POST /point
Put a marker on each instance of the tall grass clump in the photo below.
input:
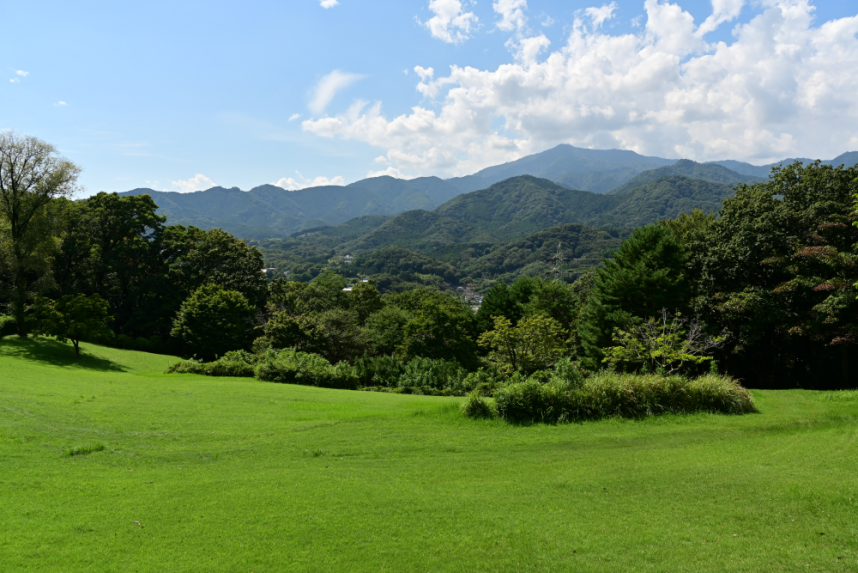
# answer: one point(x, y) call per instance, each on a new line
point(293, 367)
point(610, 394)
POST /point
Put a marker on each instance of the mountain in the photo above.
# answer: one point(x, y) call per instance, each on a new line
point(691, 169)
point(523, 205)
point(270, 211)
point(565, 163)
point(417, 230)
point(848, 159)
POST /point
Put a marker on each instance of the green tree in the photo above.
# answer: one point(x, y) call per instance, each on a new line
point(386, 329)
point(645, 276)
point(364, 299)
point(32, 175)
point(73, 317)
point(441, 327)
point(536, 343)
point(111, 247)
point(213, 321)
point(776, 270)
point(497, 302)
point(196, 258)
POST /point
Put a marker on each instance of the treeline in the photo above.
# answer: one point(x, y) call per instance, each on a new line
point(764, 291)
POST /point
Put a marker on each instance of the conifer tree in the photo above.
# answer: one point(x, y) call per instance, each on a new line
point(645, 276)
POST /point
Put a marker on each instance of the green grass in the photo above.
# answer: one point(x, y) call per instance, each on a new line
point(234, 474)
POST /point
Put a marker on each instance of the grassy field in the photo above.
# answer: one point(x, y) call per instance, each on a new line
point(187, 473)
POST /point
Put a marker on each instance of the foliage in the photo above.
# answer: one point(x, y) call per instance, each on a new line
point(484, 381)
point(73, 317)
point(645, 276)
point(535, 344)
point(609, 394)
point(442, 327)
point(383, 370)
point(386, 329)
point(233, 363)
point(776, 270)
point(425, 375)
point(32, 177)
point(363, 300)
point(295, 367)
point(8, 325)
point(213, 321)
point(497, 302)
point(477, 407)
point(663, 344)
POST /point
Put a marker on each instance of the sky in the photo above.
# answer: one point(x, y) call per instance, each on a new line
point(186, 95)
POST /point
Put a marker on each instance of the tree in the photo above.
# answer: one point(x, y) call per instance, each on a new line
point(111, 247)
point(73, 317)
point(536, 343)
point(213, 321)
point(386, 328)
point(441, 327)
point(776, 270)
point(645, 275)
point(32, 175)
point(497, 302)
point(663, 344)
point(364, 299)
point(196, 258)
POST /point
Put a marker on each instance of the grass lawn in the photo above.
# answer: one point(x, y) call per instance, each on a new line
point(233, 474)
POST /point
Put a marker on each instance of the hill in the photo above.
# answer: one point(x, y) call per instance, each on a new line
point(233, 474)
point(849, 159)
point(692, 170)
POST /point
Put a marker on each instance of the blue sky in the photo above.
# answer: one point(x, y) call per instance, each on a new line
point(184, 95)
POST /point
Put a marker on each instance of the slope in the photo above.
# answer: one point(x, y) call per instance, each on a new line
point(691, 169)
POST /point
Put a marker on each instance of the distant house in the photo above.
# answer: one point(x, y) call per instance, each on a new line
point(348, 259)
point(269, 271)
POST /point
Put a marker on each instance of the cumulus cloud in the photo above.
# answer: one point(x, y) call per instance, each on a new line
point(14, 80)
point(328, 3)
point(22, 73)
point(784, 86)
point(598, 16)
point(60, 103)
point(328, 87)
point(511, 13)
point(291, 184)
point(450, 23)
point(198, 182)
point(294, 116)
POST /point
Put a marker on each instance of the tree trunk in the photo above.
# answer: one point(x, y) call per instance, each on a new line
point(844, 364)
point(76, 348)
point(19, 293)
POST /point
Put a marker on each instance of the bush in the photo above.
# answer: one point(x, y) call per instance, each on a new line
point(294, 367)
point(378, 371)
point(483, 382)
point(431, 376)
point(478, 407)
point(234, 363)
point(8, 326)
point(625, 395)
point(213, 321)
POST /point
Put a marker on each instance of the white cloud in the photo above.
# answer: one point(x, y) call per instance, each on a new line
point(328, 87)
point(14, 80)
point(60, 103)
point(783, 87)
point(22, 73)
point(291, 184)
point(722, 11)
point(450, 23)
point(328, 3)
point(390, 171)
point(511, 13)
point(599, 15)
point(548, 22)
point(198, 182)
point(294, 116)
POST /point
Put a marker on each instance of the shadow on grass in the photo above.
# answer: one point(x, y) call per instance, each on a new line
point(55, 353)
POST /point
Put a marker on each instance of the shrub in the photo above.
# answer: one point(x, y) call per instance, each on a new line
point(483, 382)
point(478, 407)
point(435, 376)
point(8, 326)
point(626, 395)
point(234, 363)
point(567, 371)
point(213, 321)
point(294, 367)
point(378, 370)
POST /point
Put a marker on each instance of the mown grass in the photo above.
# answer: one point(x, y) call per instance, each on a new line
point(234, 474)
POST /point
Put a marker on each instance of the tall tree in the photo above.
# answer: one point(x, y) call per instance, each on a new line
point(32, 175)
point(644, 277)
